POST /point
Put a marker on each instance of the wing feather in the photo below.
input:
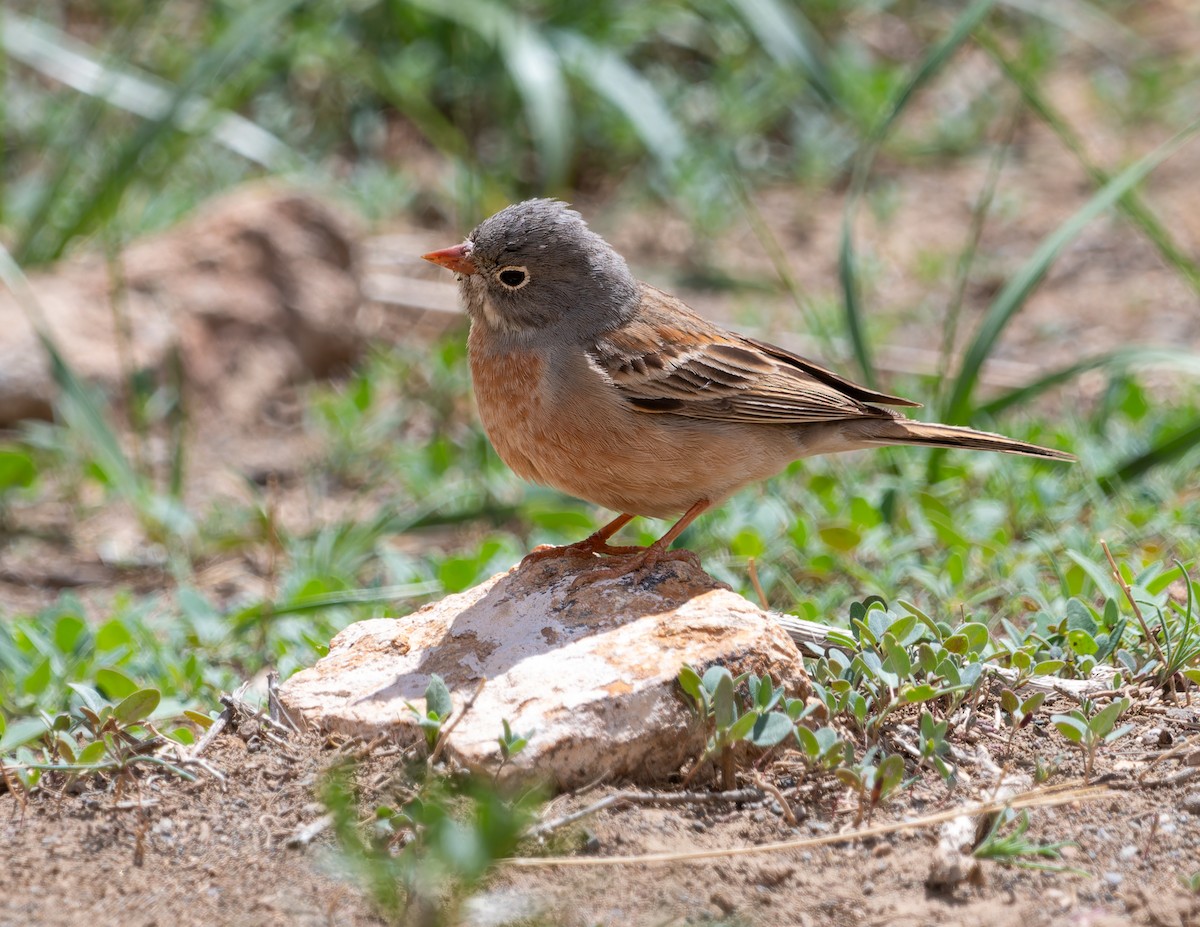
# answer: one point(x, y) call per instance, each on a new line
point(667, 359)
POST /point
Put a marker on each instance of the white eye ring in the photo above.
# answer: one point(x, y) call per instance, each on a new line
point(508, 269)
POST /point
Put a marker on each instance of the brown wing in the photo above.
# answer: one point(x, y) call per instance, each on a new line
point(668, 359)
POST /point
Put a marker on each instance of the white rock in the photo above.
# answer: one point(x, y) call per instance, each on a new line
point(589, 676)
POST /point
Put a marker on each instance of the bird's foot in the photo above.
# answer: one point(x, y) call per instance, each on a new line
point(589, 547)
point(639, 560)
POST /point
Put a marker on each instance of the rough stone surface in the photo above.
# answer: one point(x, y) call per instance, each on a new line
point(589, 675)
point(258, 290)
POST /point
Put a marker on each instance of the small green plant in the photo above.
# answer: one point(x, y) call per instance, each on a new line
point(510, 745)
point(417, 862)
point(822, 748)
point(1006, 842)
point(1089, 729)
point(872, 783)
point(759, 724)
point(933, 746)
point(101, 737)
point(438, 708)
point(1019, 713)
point(1191, 882)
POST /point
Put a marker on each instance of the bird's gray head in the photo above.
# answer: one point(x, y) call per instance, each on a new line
point(536, 265)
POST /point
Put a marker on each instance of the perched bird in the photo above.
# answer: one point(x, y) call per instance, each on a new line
point(613, 391)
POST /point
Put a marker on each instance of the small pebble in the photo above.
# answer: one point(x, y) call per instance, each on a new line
point(699, 826)
point(723, 901)
point(1128, 852)
point(759, 816)
point(776, 808)
point(868, 888)
point(881, 850)
point(1191, 803)
point(1113, 878)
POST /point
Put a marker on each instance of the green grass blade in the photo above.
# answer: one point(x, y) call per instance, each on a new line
point(60, 57)
point(536, 72)
point(310, 603)
point(848, 272)
point(1117, 360)
point(1130, 204)
point(1088, 23)
point(1165, 451)
point(611, 77)
point(242, 41)
point(533, 66)
point(77, 403)
point(1017, 291)
point(790, 40)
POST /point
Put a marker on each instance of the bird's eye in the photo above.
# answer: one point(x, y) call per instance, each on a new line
point(512, 277)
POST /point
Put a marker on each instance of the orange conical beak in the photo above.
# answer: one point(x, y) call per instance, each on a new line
point(457, 259)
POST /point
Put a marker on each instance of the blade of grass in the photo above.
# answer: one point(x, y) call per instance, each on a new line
point(1117, 360)
point(966, 259)
point(1021, 286)
point(848, 272)
point(54, 54)
point(790, 40)
point(534, 68)
point(78, 404)
point(611, 77)
point(301, 604)
point(1130, 204)
point(242, 41)
point(1167, 450)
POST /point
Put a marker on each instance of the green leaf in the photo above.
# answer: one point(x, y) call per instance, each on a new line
point(115, 684)
point(1079, 617)
point(1071, 728)
point(17, 470)
point(199, 717)
point(68, 630)
point(1082, 642)
point(138, 705)
point(1048, 667)
point(922, 693)
point(890, 773)
point(1033, 703)
point(1008, 701)
point(724, 710)
point(437, 698)
point(770, 729)
point(1103, 721)
point(840, 538)
point(113, 634)
point(897, 657)
point(39, 677)
point(92, 753)
point(808, 741)
point(20, 732)
point(743, 726)
point(689, 680)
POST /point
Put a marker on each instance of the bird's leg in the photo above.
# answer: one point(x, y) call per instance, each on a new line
point(646, 558)
point(593, 544)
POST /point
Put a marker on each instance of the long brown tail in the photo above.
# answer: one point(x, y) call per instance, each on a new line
point(906, 431)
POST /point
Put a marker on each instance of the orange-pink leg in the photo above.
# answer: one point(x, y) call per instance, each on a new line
point(593, 544)
point(645, 558)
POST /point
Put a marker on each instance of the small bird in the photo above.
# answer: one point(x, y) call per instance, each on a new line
point(610, 390)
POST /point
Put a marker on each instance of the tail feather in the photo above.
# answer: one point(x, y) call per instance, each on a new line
point(906, 431)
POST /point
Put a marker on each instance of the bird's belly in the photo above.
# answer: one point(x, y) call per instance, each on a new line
point(588, 443)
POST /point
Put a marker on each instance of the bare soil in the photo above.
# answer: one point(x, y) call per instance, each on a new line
point(164, 851)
